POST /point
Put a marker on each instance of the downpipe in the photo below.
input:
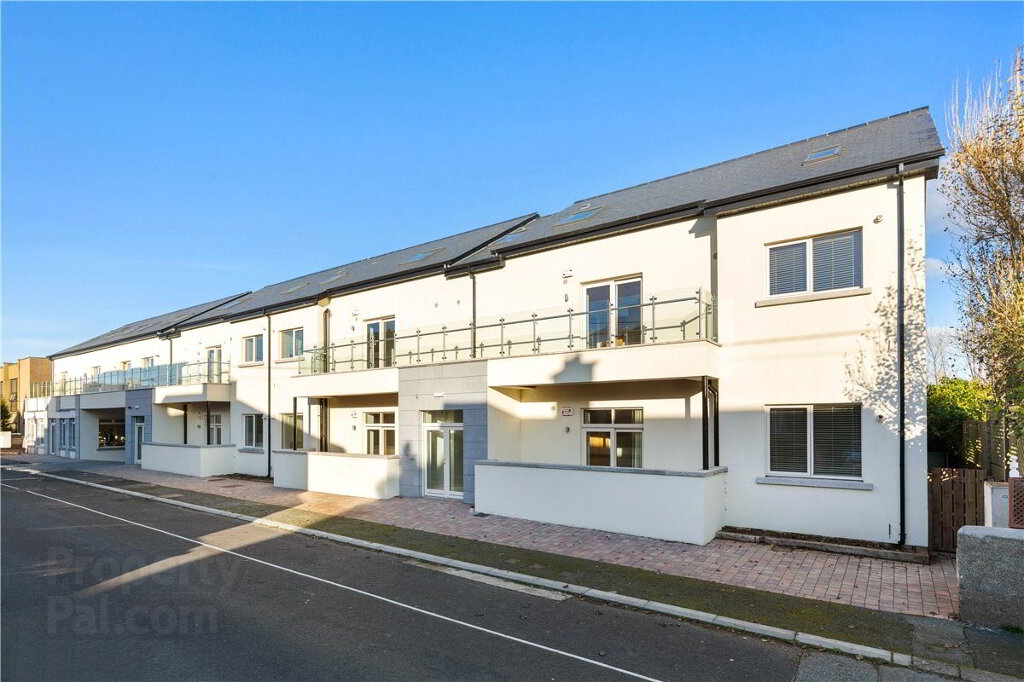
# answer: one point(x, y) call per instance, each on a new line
point(266, 425)
point(901, 352)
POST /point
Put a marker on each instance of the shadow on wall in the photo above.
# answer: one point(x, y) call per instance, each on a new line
point(873, 372)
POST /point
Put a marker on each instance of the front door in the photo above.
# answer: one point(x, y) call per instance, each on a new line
point(139, 425)
point(444, 460)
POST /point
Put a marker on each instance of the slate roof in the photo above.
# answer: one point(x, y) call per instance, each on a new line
point(906, 137)
point(886, 141)
point(433, 255)
point(145, 328)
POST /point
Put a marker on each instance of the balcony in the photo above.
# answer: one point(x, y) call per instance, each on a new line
point(668, 317)
point(176, 374)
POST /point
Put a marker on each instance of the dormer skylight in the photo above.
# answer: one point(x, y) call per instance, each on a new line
point(335, 277)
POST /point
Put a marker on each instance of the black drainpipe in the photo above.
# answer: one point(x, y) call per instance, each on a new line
point(266, 427)
point(900, 350)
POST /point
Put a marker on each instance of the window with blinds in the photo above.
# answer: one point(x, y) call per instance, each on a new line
point(837, 440)
point(787, 439)
point(787, 268)
point(818, 440)
point(837, 261)
point(834, 261)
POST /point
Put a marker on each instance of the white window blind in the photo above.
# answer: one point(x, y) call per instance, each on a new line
point(787, 268)
point(837, 261)
point(787, 437)
point(837, 440)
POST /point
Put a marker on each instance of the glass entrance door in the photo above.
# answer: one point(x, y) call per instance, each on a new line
point(444, 459)
point(213, 364)
point(139, 425)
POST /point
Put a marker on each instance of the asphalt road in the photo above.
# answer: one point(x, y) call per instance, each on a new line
point(89, 595)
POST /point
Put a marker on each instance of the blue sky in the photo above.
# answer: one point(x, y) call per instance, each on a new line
point(159, 155)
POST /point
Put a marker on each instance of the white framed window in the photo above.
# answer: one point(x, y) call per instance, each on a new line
point(613, 436)
point(815, 440)
point(614, 312)
point(291, 431)
point(147, 362)
point(253, 348)
point(95, 370)
point(215, 429)
point(825, 263)
point(253, 430)
point(380, 433)
point(71, 434)
point(126, 364)
point(291, 343)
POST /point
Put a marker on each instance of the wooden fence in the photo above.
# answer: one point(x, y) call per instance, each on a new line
point(955, 499)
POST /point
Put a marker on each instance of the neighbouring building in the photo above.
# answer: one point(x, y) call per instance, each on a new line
point(17, 378)
point(717, 348)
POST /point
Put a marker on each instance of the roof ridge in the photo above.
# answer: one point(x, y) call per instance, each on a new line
point(388, 253)
point(752, 154)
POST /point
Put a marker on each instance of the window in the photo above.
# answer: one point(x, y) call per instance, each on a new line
point(96, 370)
point(291, 343)
point(614, 314)
point(253, 430)
point(578, 216)
point(822, 154)
point(291, 431)
point(147, 362)
point(215, 430)
point(254, 348)
point(14, 390)
point(834, 262)
point(71, 434)
point(815, 440)
point(111, 433)
point(126, 364)
point(380, 433)
point(613, 437)
point(380, 343)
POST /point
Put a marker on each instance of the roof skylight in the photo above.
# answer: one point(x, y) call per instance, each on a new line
point(335, 277)
point(421, 256)
point(822, 154)
point(295, 288)
point(578, 216)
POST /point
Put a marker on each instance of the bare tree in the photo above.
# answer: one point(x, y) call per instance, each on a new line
point(983, 182)
point(939, 360)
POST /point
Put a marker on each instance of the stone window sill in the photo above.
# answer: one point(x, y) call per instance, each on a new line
point(817, 296)
point(808, 482)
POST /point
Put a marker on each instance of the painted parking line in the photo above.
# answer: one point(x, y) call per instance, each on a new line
point(348, 588)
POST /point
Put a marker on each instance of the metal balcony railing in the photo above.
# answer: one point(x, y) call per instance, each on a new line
point(665, 318)
point(176, 374)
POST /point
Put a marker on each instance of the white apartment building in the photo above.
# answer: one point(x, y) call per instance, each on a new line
point(720, 348)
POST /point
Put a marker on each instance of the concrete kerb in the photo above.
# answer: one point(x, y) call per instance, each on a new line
point(758, 629)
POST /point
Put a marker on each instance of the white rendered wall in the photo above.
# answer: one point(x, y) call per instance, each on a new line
point(679, 508)
point(826, 351)
point(370, 476)
point(189, 460)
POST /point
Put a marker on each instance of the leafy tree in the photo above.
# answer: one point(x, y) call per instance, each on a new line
point(5, 415)
point(951, 402)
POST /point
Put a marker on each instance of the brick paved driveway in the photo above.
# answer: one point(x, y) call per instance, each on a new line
point(929, 590)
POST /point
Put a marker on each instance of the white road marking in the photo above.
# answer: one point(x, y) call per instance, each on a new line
point(491, 580)
point(23, 478)
point(355, 590)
